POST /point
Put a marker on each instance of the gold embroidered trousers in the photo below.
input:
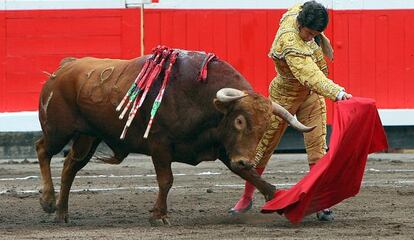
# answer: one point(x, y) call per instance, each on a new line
point(310, 109)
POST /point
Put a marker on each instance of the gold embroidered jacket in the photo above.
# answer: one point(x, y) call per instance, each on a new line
point(297, 60)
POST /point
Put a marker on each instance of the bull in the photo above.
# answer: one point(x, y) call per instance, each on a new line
point(221, 118)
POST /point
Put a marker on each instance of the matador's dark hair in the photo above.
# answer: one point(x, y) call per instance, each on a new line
point(313, 16)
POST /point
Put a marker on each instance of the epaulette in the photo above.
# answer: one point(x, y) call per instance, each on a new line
point(290, 41)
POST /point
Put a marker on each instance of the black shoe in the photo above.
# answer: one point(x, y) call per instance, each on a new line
point(325, 215)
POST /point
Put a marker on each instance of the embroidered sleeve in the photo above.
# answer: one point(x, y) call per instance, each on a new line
point(307, 72)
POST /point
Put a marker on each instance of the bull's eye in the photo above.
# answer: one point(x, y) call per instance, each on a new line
point(240, 122)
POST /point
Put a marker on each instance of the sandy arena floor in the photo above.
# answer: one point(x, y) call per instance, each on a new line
point(112, 202)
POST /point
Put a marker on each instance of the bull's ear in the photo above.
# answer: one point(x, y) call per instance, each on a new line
point(220, 106)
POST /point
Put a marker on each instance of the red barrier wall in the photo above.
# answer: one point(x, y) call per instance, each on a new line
point(374, 54)
point(35, 41)
point(2, 60)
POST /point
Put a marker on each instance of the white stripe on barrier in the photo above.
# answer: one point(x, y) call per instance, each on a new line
point(19, 122)
point(229, 4)
point(280, 4)
point(29, 122)
point(201, 4)
point(62, 4)
point(397, 117)
point(372, 4)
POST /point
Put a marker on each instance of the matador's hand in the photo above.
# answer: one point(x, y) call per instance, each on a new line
point(343, 96)
point(346, 96)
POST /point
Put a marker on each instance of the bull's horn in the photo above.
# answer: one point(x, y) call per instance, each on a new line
point(284, 114)
point(229, 94)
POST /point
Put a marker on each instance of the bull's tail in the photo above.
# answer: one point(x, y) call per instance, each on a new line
point(108, 159)
point(62, 63)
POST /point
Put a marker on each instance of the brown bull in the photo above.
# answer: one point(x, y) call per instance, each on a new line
point(196, 122)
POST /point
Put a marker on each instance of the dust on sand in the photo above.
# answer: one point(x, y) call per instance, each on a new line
point(112, 202)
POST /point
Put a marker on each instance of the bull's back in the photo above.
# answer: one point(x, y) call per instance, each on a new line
point(85, 91)
point(99, 81)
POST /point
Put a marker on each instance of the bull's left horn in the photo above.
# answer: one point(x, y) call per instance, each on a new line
point(284, 114)
point(229, 94)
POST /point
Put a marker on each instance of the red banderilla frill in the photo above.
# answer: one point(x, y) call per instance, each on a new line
point(158, 100)
point(150, 74)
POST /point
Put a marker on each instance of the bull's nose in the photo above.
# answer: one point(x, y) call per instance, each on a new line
point(242, 164)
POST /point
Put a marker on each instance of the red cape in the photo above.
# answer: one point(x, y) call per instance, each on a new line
point(357, 131)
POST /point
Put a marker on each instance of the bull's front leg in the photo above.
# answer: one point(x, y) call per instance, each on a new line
point(250, 175)
point(165, 180)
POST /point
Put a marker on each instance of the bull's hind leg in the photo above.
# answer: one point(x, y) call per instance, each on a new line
point(81, 152)
point(47, 200)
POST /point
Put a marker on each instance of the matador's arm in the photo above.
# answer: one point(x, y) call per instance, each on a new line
point(308, 73)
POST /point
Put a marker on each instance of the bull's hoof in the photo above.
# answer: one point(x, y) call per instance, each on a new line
point(62, 218)
point(325, 215)
point(156, 222)
point(48, 206)
point(272, 193)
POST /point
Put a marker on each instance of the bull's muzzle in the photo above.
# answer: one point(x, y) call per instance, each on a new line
point(242, 164)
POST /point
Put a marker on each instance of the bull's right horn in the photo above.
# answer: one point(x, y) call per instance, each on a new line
point(229, 94)
point(284, 114)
